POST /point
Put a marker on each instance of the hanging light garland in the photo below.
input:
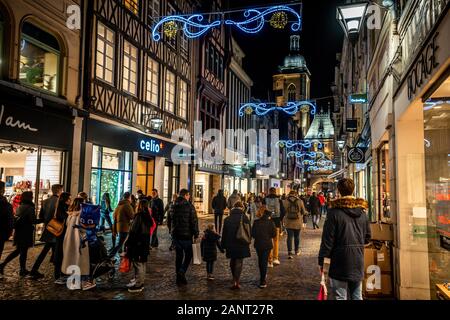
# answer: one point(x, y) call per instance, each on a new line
point(306, 144)
point(196, 25)
point(279, 20)
point(263, 108)
point(170, 29)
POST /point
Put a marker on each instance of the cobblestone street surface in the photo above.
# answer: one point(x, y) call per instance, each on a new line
point(296, 279)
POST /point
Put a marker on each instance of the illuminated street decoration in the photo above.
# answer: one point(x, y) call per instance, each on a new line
point(263, 108)
point(319, 163)
point(299, 154)
point(196, 25)
point(306, 144)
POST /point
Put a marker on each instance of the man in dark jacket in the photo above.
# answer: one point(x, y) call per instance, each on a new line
point(6, 218)
point(219, 204)
point(314, 204)
point(183, 224)
point(345, 233)
point(158, 214)
point(46, 214)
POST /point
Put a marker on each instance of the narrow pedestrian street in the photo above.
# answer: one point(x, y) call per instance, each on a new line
point(296, 279)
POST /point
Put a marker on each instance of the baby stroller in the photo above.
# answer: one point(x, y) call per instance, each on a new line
point(100, 263)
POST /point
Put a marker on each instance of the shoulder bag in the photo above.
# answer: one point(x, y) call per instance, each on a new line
point(243, 232)
point(55, 226)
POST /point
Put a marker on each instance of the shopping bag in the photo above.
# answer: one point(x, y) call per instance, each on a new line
point(125, 265)
point(323, 293)
point(197, 253)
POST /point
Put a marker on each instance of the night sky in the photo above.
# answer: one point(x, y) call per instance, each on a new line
point(320, 39)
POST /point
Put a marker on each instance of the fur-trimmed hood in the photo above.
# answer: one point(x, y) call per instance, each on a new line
point(350, 205)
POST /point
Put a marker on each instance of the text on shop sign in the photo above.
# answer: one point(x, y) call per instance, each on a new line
point(151, 146)
point(10, 122)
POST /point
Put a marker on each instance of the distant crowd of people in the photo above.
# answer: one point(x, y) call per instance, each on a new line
point(261, 219)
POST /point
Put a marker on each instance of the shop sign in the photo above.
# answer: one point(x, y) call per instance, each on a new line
point(356, 155)
point(358, 98)
point(151, 145)
point(422, 68)
point(351, 125)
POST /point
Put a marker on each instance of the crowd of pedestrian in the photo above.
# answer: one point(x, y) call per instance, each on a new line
point(134, 223)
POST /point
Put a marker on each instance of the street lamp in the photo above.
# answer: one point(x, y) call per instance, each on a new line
point(155, 122)
point(341, 144)
point(350, 17)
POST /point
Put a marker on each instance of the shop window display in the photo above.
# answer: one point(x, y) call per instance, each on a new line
point(39, 58)
point(111, 172)
point(437, 172)
point(384, 208)
point(145, 175)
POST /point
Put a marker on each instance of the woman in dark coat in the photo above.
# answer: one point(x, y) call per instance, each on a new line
point(235, 250)
point(210, 243)
point(24, 222)
point(263, 231)
point(61, 215)
point(138, 245)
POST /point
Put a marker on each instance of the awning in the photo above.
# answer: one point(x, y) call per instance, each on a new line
point(336, 174)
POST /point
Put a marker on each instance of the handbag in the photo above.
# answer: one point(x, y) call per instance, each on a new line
point(125, 265)
point(243, 233)
point(54, 226)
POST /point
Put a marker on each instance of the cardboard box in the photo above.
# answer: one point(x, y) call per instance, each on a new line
point(384, 290)
point(383, 258)
point(382, 231)
point(369, 257)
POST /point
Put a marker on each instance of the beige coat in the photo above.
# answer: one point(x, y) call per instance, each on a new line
point(123, 215)
point(73, 254)
point(295, 224)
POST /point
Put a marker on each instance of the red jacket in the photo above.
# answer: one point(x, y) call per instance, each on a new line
point(322, 200)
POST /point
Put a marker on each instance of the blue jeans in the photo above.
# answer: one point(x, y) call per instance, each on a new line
point(340, 289)
point(293, 234)
point(315, 220)
point(209, 267)
point(183, 249)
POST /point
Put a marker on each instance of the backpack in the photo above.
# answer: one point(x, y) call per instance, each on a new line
point(293, 210)
point(273, 205)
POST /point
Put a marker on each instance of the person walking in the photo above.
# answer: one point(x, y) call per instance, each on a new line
point(236, 250)
point(106, 211)
point(61, 215)
point(219, 204)
point(6, 219)
point(305, 205)
point(233, 199)
point(24, 222)
point(123, 215)
point(75, 253)
point(293, 220)
point(274, 206)
point(47, 212)
point(137, 246)
point(314, 204)
point(210, 243)
point(167, 211)
point(157, 206)
point(183, 224)
point(263, 231)
point(323, 203)
point(345, 233)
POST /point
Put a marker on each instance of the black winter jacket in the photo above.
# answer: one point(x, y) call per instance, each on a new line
point(25, 220)
point(345, 233)
point(6, 219)
point(314, 205)
point(138, 241)
point(46, 214)
point(219, 204)
point(263, 231)
point(235, 249)
point(183, 222)
point(158, 210)
point(210, 243)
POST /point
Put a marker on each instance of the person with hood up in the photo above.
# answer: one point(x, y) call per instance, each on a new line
point(263, 231)
point(123, 215)
point(210, 243)
point(345, 233)
point(219, 204)
point(293, 220)
point(233, 199)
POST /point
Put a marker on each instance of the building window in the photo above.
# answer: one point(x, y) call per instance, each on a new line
point(105, 54)
point(170, 12)
point(2, 26)
point(152, 81)
point(291, 92)
point(183, 103)
point(132, 5)
point(154, 7)
point(130, 59)
point(170, 92)
point(39, 58)
point(184, 45)
point(145, 174)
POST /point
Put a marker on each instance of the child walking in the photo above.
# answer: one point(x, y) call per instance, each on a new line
point(210, 243)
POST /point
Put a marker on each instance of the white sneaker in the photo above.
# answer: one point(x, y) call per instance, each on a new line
point(299, 252)
point(132, 283)
point(270, 265)
point(88, 285)
point(60, 281)
point(276, 262)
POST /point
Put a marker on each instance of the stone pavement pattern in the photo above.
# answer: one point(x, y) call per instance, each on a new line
point(296, 279)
